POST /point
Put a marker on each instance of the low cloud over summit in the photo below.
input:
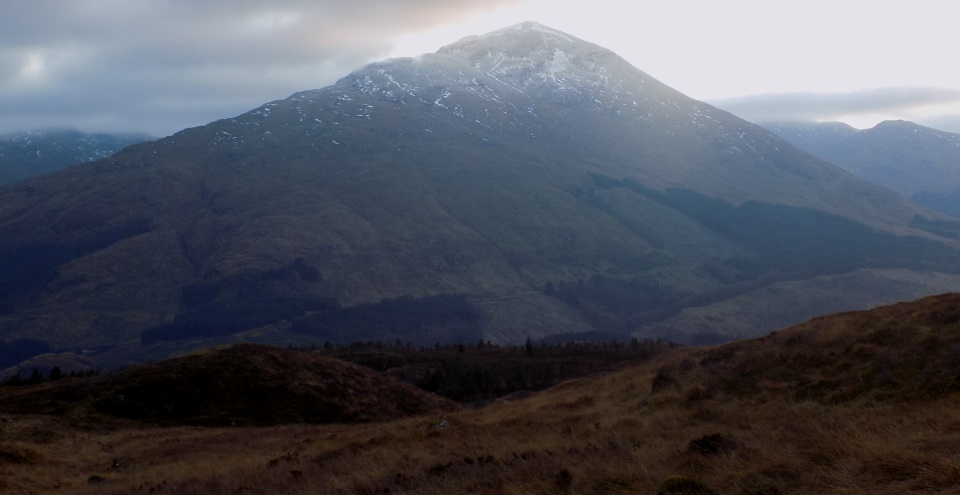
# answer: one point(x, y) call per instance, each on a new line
point(160, 66)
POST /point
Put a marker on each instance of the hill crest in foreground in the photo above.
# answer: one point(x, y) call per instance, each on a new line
point(854, 403)
point(244, 384)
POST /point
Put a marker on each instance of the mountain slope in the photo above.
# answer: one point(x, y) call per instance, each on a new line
point(31, 153)
point(916, 161)
point(520, 183)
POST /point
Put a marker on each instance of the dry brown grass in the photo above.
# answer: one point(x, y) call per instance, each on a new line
point(606, 435)
point(602, 435)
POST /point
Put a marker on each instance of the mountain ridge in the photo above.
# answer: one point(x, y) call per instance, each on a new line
point(35, 152)
point(918, 162)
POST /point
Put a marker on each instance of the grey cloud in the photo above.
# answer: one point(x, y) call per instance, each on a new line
point(140, 64)
point(830, 106)
point(11, 64)
point(945, 122)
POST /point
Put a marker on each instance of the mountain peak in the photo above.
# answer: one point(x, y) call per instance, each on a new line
point(902, 127)
point(529, 43)
point(531, 57)
point(895, 123)
point(512, 35)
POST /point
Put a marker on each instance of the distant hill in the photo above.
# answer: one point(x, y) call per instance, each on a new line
point(522, 183)
point(30, 153)
point(920, 163)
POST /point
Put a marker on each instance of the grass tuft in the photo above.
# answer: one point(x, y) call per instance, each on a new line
point(678, 485)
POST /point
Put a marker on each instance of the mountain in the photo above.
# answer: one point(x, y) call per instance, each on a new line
point(916, 161)
point(856, 403)
point(31, 153)
point(522, 183)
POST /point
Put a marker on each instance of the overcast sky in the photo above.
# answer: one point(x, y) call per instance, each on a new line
point(159, 66)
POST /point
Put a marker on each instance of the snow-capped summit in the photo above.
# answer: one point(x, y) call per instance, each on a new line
point(518, 68)
point(531, 56)
point(517, 30)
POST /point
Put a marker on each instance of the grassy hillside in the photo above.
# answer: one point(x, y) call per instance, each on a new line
point(855, 403)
